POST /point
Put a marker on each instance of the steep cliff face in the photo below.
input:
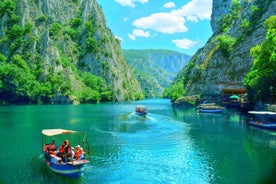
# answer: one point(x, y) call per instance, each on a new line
point(65, 38)
point(223, 62)
point(155, 69)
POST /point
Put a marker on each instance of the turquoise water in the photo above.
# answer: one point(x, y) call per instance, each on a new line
point(169, 146)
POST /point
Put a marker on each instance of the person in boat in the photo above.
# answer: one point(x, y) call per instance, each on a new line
point(49, 148)
point(61, 151)
point(52, 145)
point(79, 153)
point(51, 153)
point(54, 158)
point(66, 143)
point(62, 147)
point(69, 154)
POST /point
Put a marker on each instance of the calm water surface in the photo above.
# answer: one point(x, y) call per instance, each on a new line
point(169, 146)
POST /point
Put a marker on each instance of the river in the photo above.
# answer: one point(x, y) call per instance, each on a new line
point(171, 145)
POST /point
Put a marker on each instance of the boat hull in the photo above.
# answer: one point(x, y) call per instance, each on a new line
point(66, 169)
point(210, 110)
point(268, 126)
point(141, 113)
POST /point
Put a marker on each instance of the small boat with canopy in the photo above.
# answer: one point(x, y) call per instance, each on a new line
point(263, 119)
point(69, 157)
point(141, 110)
point(208, 107)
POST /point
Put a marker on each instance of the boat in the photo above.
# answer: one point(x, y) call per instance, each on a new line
point(209, 108)
point(263, 119)
point(58, 163)
point(141, 110)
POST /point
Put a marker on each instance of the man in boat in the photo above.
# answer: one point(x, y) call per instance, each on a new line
point(62, 147)
point(69, 154)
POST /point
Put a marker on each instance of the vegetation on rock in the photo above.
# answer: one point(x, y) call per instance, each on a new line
point(262, 77)
point(61, 53)
point(225, 60)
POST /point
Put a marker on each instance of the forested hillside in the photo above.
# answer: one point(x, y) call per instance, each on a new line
point(61, 52)
point(155, 69)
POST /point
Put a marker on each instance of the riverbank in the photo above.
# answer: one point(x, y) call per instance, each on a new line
point(194, 100)
point(265, 107)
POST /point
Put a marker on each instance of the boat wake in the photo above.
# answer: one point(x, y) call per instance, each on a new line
point(134, 116)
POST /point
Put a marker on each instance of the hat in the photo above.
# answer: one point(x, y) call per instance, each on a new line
point(66, 142)
point(78, 146)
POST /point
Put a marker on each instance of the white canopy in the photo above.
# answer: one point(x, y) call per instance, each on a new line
point(262, 112)
point(52, 132)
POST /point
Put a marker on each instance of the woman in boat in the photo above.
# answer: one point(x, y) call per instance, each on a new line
point(79, 153)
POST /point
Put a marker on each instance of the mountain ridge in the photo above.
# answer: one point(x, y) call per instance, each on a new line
point(155, 69)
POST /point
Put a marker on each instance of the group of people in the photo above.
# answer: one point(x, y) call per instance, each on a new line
point(63, 153)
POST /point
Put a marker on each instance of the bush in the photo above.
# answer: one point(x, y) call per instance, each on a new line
point(7, 6)
point(54, 29)
point(226, 44)
point(15, 31)
point(91, 45)
point(75, 23)
point(175, 91)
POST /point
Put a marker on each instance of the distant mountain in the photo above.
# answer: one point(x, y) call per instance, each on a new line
point(155, 69)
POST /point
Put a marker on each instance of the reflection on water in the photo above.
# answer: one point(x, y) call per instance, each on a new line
point(170, 145)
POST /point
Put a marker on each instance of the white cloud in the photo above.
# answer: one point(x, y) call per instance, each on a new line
point(138, 33)
point(196, 9)
point(174, 21)
point(132, 36)
point(184, 43)
point(169, 5)
point(130, 2)
point(162, 22)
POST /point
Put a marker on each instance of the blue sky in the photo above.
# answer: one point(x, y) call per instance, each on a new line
point(180, 25)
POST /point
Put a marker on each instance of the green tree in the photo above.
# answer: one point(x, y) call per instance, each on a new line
point(175, 91)
point(226, 44)
point(54, 29)
point(262, 77)
point(7, 6)
point(98, 90)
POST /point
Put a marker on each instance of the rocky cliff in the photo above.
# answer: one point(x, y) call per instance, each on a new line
point(64, 39)
point(223, 62)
